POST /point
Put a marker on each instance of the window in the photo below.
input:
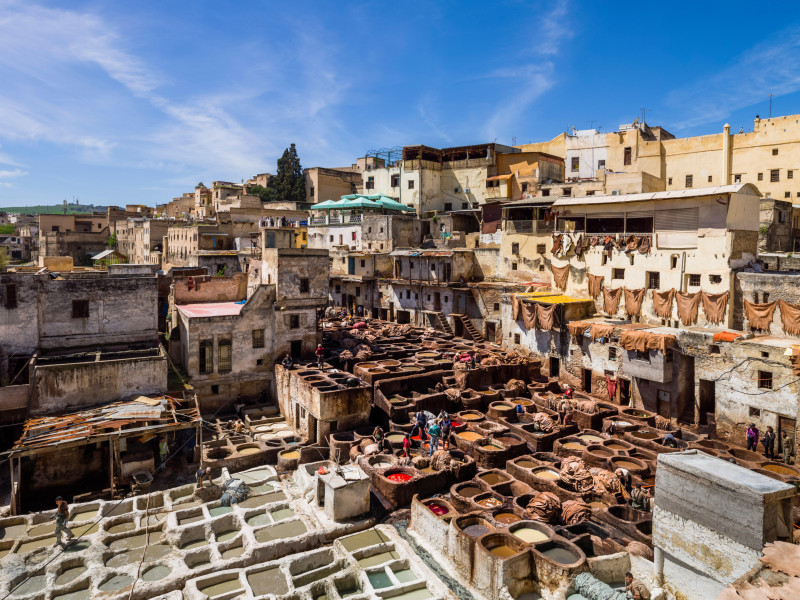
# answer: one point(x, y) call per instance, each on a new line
point(363, 263)
point(694, 279)
point(408, 294)
point(541, 248)
point(673, 261)
point(411, 184)
point(370, 183)
point(215, 389)
point(714, 349)
point(627, 157)
point(206, 356)
point(764, 380)
point(496, 306)
point(653, 280)
point(764, 354)
point(576, 163)
point(789, 174)
point(689, 181)
point(80, 309)
point(516, 338)
point(358, 291)
point(566, 192)
point(258, 338)
point(338, 289)
point(774, 152)
point(601, 164)
point(787, 195)
point(294, 321)
point(775, 175)
point(782, 214)
point(760, 177)
point(612, 353)
point(754, 412)
point(304, 286)
point(737, 179)
point(448, 206)
point(710, 179)
point(515, 248)
point(446, 299)
point(715, 278)
point(10, 296)
point(617, 273)
point(464, 206)
point(525, 187)
point(513, 266)
point(331, 241)
point(224, 356)
point(669, 181)
point(541, 268)
point(259, 362)
point(644, 356)
point(395, 181)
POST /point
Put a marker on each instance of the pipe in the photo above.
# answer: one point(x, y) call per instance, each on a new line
point(658, 566)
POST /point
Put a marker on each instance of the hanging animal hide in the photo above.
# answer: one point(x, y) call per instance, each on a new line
point(688, 305)
point(759, 315)
point(662, 303)
point(560, 275)
point(714, 306)
point(595, 285)
point(633, 301)
point(611, 300)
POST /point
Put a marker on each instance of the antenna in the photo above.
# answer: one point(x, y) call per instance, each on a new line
point(770, 106)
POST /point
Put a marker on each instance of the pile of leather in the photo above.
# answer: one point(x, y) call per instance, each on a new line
point(544, 422)
point(575, 475)
point(517, 386)
point(544, 506)
point(575, 511)
point(605, 482)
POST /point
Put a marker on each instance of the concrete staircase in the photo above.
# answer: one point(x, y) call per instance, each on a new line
point(442, 322)
point(471, 330)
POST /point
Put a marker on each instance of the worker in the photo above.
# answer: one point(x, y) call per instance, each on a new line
point(238, 426)
point(203, 473)
point(769, 443)
point(320, 352)
point(287, 362)
point(640, 498)
point(163, 451)
point(407, 445)
point(420, 425)
point(670, 441)
point(380, 439)
point(624, 477)
point(61, 517)
point(787, 446)
point(447, 425)
point(568, 392)
point(435, 431)
point(635, 588)
point(752, 437)
point(472, 361)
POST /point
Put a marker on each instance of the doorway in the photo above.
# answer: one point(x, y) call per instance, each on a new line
point(790, 427)
point(624, 391)
point(312, 428)
point(403, 317)
point(587, 380)
point(296, 348)
point(707, 406)
point(437, 301)
point(491, 332)
point(555, 366)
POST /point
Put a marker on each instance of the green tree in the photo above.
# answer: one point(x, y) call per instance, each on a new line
point(8, 228)
point(267, 194)
point(288, 183)
point(112, 241)
point(4, 259)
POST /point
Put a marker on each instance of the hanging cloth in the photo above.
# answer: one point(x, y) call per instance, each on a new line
point(560, 275)
point(547, 316)
point(611, 300)
point(595, 285)
point(688, 305)
point(662, 303)
point(714, 306)
point(594, 240)
point(633, 302)
point(529, 315)
point(790, 317)
point(611, 387)
point(556, 244)
point(759, 315)
point(515, 303)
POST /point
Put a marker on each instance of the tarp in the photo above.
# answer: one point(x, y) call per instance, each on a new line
point(633, 301)
point(688, 305)
point(662, 303)
point(714, 306)
point(759, 315)
point(645, 340)
point(560, 275)
point(595, 285)
point(492, 215)
point(726, 336)
point(611, 300)
point(790, 317)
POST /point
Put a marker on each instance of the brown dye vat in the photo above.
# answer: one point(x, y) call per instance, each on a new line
point(627, 464)
point(471, 416)
point(545, 473)
point(469, 491)
point(600, 451)
point(745, 455)
point(644, 435)
point(470, 436)
point(508, 440)
point(493, 478)
point(491, 447)
point(526, 464)
point(503, 545)
point(503, 551)
point(506, 518)
point(490, 502)
point(781, 470)
point(573, 446)
point(521, 401)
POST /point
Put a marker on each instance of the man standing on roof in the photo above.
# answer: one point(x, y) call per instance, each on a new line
point(61, 517)
point(320, 352)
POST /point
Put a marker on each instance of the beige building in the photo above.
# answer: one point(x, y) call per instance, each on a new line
point(78, 236)
point(331, 184)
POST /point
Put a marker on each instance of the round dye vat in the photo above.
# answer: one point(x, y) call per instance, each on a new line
point(592, 439)
point(156, 573)
point(455, 423)
point(780, 470)
point(248, 451)
point(490, 502)
point(471, 416)
point(291, 455)
point(437, 509)
point(470, 436)
point(399, 477)
point(395, 438)
point(493, 478)
point(116, 583)
point(503, 551)
point(521, 402)
point(560, 555)
point(618, 447)
point(626, 464)
point(603, 453)
point(506, 518)
point(475, 530)
point(530, 535)
point(573, 446)
point(546, 474)
point(381, 464)
point(469, 491)
point(491, 447)
point(527, 464)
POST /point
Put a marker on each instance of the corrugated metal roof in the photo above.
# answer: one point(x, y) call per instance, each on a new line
point(422, 253)
point(499, 177)
point(738, 188)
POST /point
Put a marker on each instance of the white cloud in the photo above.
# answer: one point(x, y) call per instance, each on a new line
point(15, 173)
point(771, 67)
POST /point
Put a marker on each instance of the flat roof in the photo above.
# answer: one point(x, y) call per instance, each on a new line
point(211, 309)
point(737, 188)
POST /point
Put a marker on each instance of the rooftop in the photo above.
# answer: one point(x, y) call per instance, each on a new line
point(211, 309)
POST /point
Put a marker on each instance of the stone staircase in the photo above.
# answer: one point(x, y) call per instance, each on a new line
point(438, 317)
point(471, 330)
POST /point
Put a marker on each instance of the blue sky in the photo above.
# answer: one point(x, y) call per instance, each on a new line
point(136, 102)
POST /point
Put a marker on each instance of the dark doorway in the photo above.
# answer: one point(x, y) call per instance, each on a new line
point(790, 427)
point(587, 380)
point(403, 317)
point(376, 313)
point(624, 391)
point(437, 301)
point(458, 328)
point(296, 348)
point(312, 428)
point(491, 332)
point(708, 402)
point(555, 366)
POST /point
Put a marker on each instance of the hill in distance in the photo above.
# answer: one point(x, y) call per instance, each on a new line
point(54, 209)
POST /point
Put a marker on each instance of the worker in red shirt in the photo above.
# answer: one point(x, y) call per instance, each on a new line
point(320, 356)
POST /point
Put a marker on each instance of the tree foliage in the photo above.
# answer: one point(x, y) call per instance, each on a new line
point(4, 258)
point(288, 183)
point(112, 240)
point(8, 228)
point(267, 194)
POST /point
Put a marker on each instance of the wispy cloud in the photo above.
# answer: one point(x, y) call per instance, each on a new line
point(6, 174)
point(771, 67)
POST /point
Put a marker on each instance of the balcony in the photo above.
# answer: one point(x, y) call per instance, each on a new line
point(329, 220)
point(527, 227)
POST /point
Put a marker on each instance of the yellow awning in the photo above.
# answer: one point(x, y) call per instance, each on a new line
point(497, 177)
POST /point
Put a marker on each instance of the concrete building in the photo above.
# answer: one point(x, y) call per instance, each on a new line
point(331, 184)
point(77, 236)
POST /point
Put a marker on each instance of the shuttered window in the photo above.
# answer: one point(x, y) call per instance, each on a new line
point(677, 228)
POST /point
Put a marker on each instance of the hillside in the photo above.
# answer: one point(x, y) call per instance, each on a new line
point(43, 209)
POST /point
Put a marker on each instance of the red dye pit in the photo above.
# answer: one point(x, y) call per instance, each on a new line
point(437, 509)
point(399, 477)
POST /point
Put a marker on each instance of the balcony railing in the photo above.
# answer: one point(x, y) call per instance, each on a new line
point(528, 227)
point(326, 220)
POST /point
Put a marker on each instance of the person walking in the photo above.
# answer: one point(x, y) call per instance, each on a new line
point(447, 425)
point(407, 445)
point(420, 425)
point(752, 437)
point(320, 352)
point(768, 441)
point(163, 451)
point(787, 447)
point(435, 431)
point(62, 517)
